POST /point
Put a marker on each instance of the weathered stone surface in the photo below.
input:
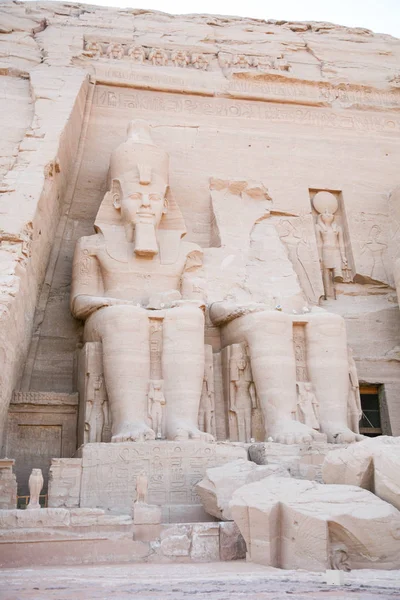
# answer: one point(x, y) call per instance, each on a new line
point(219, 483)
point(303, 461)
point(373, 464)
point(205, 542)
point(231, 543)
point(65, 482)
point(263, 252)
point(146, 514)
point(175, 545)
point(295, 524)
point(45, 517)
point(8, 485)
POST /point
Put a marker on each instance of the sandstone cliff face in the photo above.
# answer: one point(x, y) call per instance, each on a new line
point(299, 106)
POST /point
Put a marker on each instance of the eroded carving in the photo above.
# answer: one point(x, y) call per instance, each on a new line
point(115, 51)
point(297, 248)
point(137, 54)
point(93, 49)
point(354, 399)
point(158, 57)
point(207, 401)
point(200, 61)
point(376, 249)
point(180, 58)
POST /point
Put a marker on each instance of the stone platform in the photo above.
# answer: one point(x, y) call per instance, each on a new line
point(106, 475)
point(58, 536)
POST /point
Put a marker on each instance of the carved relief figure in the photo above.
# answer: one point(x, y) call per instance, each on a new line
point(354, 399)
point(157, 407)
point(158, 57)
point(93, 49)
point(96, 411)
point(35, 487)
point(115, 51)
point(292, 239)
point(137, 54)
point(307, 405)
point(138, 253)
point(207, 401)
point(180, 58)
point(142, 484)
point(200, 61)
point(242, 393)
point(330, 241)
point(376, 249)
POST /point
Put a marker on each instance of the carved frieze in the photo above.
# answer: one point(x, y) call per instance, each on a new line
point(158, 57)
point(227, 60)
point(182, 57)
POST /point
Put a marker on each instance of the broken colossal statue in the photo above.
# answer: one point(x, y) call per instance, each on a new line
point(140, 289)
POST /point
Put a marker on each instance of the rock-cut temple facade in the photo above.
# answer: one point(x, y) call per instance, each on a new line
point(199, 254)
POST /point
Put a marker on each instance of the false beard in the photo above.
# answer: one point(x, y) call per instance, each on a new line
point(145, 239)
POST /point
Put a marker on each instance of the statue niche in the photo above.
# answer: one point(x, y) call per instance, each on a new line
point(331, 246)
point(134, 269)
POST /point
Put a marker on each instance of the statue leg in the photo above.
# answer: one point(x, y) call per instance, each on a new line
point(269, 336)
point(329, 284)
point(124, 333)
point(329, 373)
point(183, 371)
point(241, 424)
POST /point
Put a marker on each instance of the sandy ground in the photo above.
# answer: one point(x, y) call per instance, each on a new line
point(215, 581)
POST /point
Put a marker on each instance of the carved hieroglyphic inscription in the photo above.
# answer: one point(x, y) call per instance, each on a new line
point(173, 469)
point(299, 343)
point(142, 100)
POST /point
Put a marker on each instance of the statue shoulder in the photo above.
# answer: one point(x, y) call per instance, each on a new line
point(89, 244)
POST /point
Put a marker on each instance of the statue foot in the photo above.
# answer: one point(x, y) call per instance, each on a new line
point(133, 432)
point(338, 434)
point(293, 432)
point(185, 433)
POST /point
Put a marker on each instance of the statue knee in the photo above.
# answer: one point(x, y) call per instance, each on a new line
point(121, 319)
point(187, 317)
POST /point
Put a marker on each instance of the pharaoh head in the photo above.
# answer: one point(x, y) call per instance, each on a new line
point(138, 199)
point(139, 182)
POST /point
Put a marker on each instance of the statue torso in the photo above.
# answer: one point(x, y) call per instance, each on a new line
point(134, 278)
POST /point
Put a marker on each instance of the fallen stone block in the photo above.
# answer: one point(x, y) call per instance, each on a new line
point(296, 524)
point(373, 464)
point(217, 487)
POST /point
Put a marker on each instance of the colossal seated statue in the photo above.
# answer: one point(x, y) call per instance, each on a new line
point(140, 289)
point(134, 270)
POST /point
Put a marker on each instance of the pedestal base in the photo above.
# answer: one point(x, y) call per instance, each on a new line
point(173, 469)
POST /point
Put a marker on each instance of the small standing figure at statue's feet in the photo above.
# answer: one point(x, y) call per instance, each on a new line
point(142, 484)
point(35, 487)
point(156, 407)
